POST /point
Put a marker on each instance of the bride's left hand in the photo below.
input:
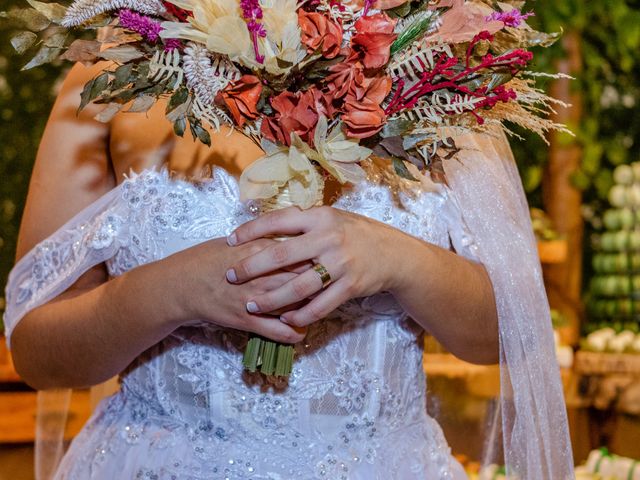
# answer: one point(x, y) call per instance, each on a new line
point(358, 253)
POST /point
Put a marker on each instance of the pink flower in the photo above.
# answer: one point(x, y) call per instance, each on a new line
point(511, 19)
point(148, 28)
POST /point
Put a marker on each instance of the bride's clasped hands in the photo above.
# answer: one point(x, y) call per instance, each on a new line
point(353, 256)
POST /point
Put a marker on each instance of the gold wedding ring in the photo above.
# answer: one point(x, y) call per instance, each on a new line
point(324, 274)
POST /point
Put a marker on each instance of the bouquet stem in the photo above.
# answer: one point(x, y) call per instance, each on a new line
point(273, 358)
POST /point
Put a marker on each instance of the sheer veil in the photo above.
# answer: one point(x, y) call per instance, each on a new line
point(486, 189)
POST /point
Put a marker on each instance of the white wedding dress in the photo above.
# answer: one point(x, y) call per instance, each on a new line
point(355, 405)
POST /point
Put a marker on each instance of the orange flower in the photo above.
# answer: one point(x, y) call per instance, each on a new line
point(343, 75)
point(375, 88)
point(241, 98)
point(318, 31)
point(363, 119)
point(295, 112)
point(374, 38)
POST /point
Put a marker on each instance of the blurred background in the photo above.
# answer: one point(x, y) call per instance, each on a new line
point(585, 195)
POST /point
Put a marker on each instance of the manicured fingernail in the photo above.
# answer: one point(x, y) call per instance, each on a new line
point(231, 275)
point(252, 307)
point(232, 239)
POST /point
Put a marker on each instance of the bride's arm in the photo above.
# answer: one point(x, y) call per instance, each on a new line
point(450, 296)
point(97, 327)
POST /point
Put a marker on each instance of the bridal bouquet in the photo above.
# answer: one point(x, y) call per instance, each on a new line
point(326, 87)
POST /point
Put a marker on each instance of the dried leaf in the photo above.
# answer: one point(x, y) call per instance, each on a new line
point(400, 11)
point(402, 170)
point(123, 96)
point(84, 51)
point(99, 85)
point(142, 103)
point(56, 38)
point(23, 41)
point(108, 113)
point(178, 112)
point(85, 95)
point(119, 36)
point(283, 63)
point(179, 126)
point(178, 98)
point(121, 54)
point(48, 52)
point(393, 145)
point(395, 148)
point(498, 79)
point(200, 133)
point(29, 18)
point(53, 11)
point(436, 168)
point(92, 89)
point(396, 126)
point(122, 76)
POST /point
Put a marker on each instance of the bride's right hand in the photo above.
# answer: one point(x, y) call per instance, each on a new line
point(204, 293)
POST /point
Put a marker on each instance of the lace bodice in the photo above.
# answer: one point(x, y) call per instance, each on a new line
point(354, 406)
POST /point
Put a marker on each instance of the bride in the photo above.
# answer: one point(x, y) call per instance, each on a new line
point(132, 262)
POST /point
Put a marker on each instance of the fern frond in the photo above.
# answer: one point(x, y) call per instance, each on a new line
point(411, 64)
point(82, 11)
point(343, 12)
point(164, 65)
point(252, 130)
point(210, 113)
point(207, 75)
point(440, 105)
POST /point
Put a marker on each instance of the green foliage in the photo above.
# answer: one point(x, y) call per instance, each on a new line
point(25, 100)
point(609, 132)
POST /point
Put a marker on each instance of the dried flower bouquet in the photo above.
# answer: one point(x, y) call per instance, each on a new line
point(323, 86)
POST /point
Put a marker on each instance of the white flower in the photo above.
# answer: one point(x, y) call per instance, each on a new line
point(218, 24)
point(277, 17)
point(336, 153)
point(280, 19)
point(281, 167)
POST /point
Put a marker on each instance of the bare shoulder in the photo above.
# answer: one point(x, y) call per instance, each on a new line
point(72, 167)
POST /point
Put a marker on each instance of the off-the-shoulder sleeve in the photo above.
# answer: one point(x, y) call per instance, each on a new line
point(88, 239)
point(490, 223)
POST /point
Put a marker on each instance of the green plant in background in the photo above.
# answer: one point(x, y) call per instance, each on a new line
point(25, 100)
point(610, 129)
point(609, 132)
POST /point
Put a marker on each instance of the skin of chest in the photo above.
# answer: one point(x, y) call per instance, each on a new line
point(140, 141)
